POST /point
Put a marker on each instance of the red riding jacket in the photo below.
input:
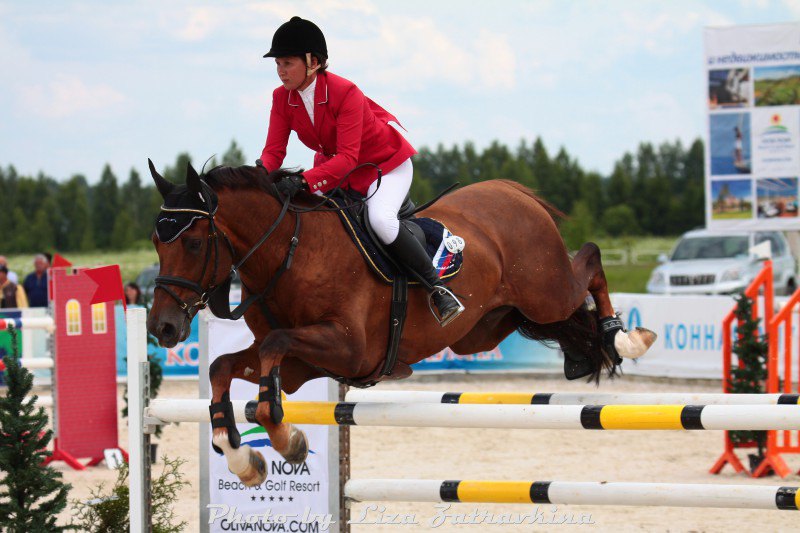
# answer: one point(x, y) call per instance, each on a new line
point(349, 129)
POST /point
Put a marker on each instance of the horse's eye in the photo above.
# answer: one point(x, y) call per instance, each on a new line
point(193, 245)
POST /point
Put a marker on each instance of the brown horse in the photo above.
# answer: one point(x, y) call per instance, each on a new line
point(333, 314)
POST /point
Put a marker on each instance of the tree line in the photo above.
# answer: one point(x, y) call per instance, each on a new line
point(653, 191)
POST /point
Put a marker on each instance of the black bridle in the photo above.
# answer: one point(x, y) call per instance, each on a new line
point(163, 282)
point(205, 293)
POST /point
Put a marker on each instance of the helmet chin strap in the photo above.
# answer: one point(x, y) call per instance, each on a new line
point(309, 69)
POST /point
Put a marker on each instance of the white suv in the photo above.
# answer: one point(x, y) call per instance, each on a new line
point(715, 262)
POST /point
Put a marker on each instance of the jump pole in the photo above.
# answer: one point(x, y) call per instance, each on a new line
point(32, 363)
point(574, 493)
point(620, 417)
point(139, 441)
point(43, 322)
point(568, 398)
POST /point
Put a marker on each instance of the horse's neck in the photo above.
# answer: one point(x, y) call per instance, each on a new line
point(245, 216)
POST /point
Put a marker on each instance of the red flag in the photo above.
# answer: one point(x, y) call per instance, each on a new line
point(60, 261)
point(109, 284)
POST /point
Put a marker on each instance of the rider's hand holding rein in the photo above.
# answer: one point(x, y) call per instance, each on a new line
point(291, 185)
point(345, 129)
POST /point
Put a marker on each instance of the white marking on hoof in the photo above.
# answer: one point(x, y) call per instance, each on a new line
point(635, 343)
point(238, 458)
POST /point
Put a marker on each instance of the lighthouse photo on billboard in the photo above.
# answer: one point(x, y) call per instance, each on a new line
point(730, 143)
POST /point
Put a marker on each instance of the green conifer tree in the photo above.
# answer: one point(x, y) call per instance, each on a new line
point(31, 495)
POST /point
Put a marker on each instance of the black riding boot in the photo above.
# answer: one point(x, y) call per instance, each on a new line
point(407, 250)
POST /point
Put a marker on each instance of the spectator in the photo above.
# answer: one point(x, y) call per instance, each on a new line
point(35, 283)
point(12, 276)
point(133, 294)
point(11, 294)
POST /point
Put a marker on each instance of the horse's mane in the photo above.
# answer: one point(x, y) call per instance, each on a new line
point(246, 178)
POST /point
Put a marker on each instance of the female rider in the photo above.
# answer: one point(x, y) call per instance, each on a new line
point(345, 128)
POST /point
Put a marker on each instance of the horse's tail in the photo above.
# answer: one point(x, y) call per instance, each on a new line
point(579, 335)
point(554, 212)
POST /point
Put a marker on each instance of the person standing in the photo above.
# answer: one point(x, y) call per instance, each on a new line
point(133, 294)
point(11, 294)
point(11, 274)
point(35, 283)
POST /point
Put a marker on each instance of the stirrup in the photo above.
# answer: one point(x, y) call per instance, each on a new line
point(443, 321)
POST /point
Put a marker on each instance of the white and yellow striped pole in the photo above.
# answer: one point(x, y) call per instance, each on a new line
point(575, 493)
point(568, 398)
point(629, 417)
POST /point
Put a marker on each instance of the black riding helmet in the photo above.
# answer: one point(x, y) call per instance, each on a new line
point(297, 38)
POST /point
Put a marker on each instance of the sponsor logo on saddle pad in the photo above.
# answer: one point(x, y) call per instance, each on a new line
point(454, 244)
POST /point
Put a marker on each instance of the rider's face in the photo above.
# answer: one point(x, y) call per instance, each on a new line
point(291, 71)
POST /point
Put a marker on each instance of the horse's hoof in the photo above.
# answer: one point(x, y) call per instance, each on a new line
point(255, 473)
point(635, 343)
point(297, 450)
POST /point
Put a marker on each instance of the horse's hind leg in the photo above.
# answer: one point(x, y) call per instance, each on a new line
point(587, 266)
point(243, 461)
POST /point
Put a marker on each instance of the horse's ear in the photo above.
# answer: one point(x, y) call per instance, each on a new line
point(163, 186)
point(192, 179)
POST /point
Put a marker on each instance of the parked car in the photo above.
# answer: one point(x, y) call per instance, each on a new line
point(716, 262)
point(146, 280)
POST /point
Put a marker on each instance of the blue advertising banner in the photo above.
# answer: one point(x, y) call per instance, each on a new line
point(514, 353)
point(182, 360)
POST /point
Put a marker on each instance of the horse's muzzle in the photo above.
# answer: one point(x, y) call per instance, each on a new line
point(167, 332)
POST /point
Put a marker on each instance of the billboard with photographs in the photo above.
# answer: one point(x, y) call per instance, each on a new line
point(752, 81)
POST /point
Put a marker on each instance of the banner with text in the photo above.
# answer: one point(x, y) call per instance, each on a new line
point(752, 84)
point(294, 497)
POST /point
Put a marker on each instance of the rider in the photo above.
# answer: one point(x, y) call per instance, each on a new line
point(345, 128)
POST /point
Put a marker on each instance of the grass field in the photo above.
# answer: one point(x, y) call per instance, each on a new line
point(131, 262)
point(621, 278)
point(785, 91)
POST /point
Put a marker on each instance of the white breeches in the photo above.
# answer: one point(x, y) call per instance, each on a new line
point(384, 206)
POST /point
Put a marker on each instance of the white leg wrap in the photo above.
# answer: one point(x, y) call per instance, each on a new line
point(635, 343)
point(238, 458)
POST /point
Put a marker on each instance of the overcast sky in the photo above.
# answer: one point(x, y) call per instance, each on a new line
point(90, 82)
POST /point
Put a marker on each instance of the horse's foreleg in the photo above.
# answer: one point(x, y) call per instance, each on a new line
point(587, 266)
point(243, 461)
point(322, 345)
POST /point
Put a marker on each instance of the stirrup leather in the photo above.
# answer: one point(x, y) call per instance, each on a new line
point(446, 320)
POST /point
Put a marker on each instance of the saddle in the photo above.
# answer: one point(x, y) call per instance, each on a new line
point(434, 236)
point(442, 246)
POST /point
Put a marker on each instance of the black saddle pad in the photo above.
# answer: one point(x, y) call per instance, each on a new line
point(447, 263)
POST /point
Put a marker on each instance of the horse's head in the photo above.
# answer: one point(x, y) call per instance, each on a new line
point(193, 257)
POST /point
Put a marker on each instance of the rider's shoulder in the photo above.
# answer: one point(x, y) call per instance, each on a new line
point(339, 86)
